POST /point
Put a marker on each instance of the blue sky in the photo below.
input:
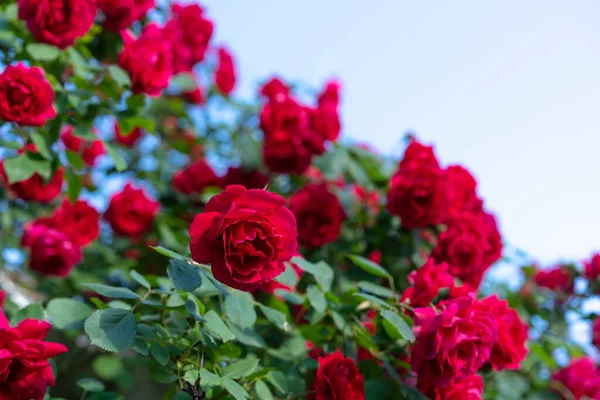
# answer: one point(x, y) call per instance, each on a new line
point(510, 89)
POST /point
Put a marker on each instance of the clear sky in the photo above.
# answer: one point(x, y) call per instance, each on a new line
point(510, 89)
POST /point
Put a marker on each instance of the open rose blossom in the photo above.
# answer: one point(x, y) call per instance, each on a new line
point(580, 379)
point(250, 179)
point(451, 344)
point(89, 150)
point(225, 73)
point(195, 178)
point(58, 22)
point(596, 332)
point(319, 214)
point(325, 118)
point(245, 235)
point(467, 388)
point(148, 60)
point(26, 96)
point(79, 221)
point(131, 212)
point(426, 283)
point(462, 190)
point(558, 278)
point(127, 139)
point(338, 377)
point(25, 372)
point(120, 14)
point(510, 349)
point(51, 251)
point(592, 268)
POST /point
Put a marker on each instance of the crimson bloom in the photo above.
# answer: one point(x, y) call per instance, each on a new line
point(79, 221)
point(558, 278)
point(250, 179)
point(89, 150)
point(426, 283)
point(580, 378)
point(467, 388)
point(131, 212)
point(127, 139)
point(225, 73)
point(338, 377)
point(120, 14)
point(195, 178)
point(592, 268)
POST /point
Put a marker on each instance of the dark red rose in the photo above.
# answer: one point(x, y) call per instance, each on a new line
point(337, 378)
point(596, 332)
point(319, 214)
point(467, 388)
point(131, 212)
point(189, 32)
point(245, 235)
point(148, 60)
point(286, 154)
point(463, 190)
point(313, 351)
point(2, 297)
point(79, 221)
point(331, 93)
point(195, 178)
point(274, 89)
point(25, 372)
point(120, 14)
point(51, 251)
point(253, 179)
point(556, 279)
point(419, 191)
point(510, 349)
point(325, 119)
point(129, 139)
point(426, 283)
point(452, 344)
point(580, 379)
point(225, 73)
point(592, 268)
point(493, 239)
point(375, 256)
point(89, 150)
point(58, 22)
point(26, 96)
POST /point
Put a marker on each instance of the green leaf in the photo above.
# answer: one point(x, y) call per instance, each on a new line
point(105, 396)
point(120, 164)
point(316, 298)
point(376, 301)
point(90, 385)
point(216, 326)
point(184, 82)
point(340, 323)
point(369, 266)
point(140, 346)
point(136, 276)
point(234, 389)
point(209, 379)
point(127, 125)
point(32, 311)
point(41, 145)
point(247, 336)
point(75, 159)
point(289, 277)
point(119, 75)
point(22, 167)
point(181, 395)
point(193, 308)
point(357, 172)
point(160, 353)
point(78, 61)
point(375, 289)
point(42, 52)
point(73, 185)
point(241, 369)
point(11, 12)
point(292, 297)
point(322, 272)
point(112, 291)
point(399, 324)
point(161, 374)
point(276, 317)
point(168, 253)
point(112, 329)
point(286, 383)
point(67, 314)
point(240, 310)
point(184, 275)
point(262, 391)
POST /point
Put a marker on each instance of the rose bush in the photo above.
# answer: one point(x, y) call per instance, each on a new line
point(185, 244)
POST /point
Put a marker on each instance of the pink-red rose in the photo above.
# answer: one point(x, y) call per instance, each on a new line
point(127, 139)
point(596, 332)
point(58, 22)
point(52, 252)
point(325, 118)
point(26, 96)
point(245, 235)
point(338, 378)
point(89, 150)
point(462, 190)
point(592, 268)
point(558, 278)
point(120, 14)
point(250, 179)
point(426, 283)
point(225, 73)
point(580, 379)
point(319, 214)
point(195, 178)
point(131, 212)
point(25, 372)
point(467, 388)
point(79, 221)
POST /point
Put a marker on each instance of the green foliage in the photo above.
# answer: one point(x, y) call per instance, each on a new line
point(111, 329)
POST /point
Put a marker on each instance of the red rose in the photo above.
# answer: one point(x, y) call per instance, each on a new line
point(286, 154)
point(148, 60)
point(452, 344)
point(2, 297)
point(510, 349)
point(467, 388)
point(225, 74)
point(319, 215)
point(592, 268)
point(558, 278)
point(190, 32)
point(368, 199)
point(89, 150)
point(79, 221)
point(463, 190)
point(338, 378)
point(325, 119)
point(419, 192)
point(595, 332)
point(331, 93)
point(196, 96)
point(375, 256)
point(275, 89)
point(245, 235)
point(131, 212)
point(25, 372)
point(26, 96)
point(253, 179)
point(493, 239)
point(313, 351)
point(129, 139)
point(195, 178)
point(580, 378)
point(58, 22)
point(120, 14)
point(426, 282)
point(51, 251)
